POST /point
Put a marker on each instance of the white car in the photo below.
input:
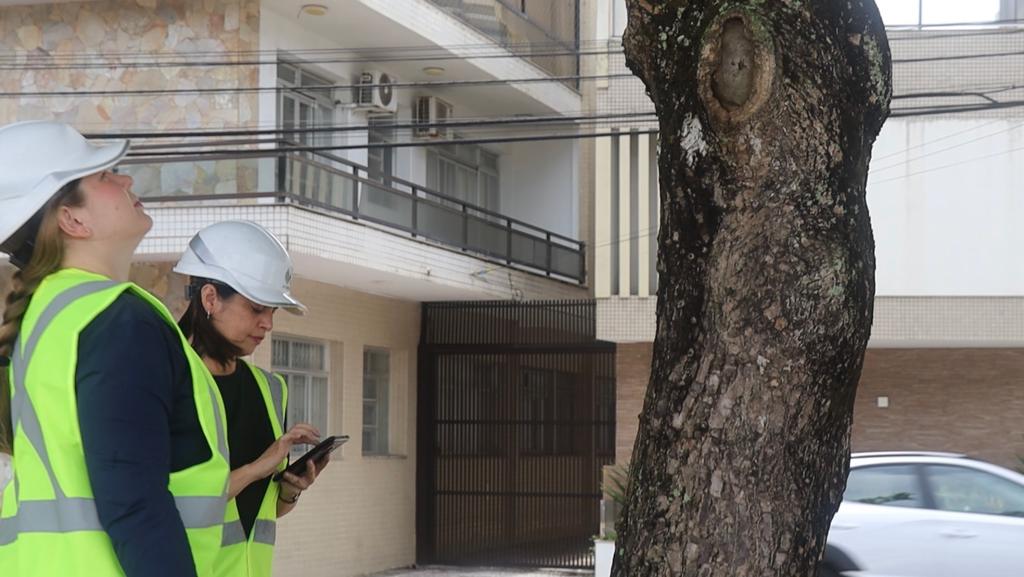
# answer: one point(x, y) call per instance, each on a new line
point(927, 515)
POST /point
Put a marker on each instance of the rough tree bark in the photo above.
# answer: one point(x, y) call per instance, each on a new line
point(768, 111)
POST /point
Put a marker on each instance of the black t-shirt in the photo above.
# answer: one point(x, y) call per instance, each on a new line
point(249, 434)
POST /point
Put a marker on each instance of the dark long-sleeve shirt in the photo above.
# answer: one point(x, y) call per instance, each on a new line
point(138, 422)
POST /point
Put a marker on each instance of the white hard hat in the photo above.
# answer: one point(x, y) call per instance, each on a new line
point(246, 257)
point(37, 158)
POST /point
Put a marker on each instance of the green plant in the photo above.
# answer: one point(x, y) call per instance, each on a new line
point(616, 490)
point(616, 483)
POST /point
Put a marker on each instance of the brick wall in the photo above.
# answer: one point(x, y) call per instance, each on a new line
point(632, 372)
point(962, 400)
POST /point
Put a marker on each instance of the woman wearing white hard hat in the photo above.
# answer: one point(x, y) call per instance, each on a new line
point(240, 274)
point(115, 425)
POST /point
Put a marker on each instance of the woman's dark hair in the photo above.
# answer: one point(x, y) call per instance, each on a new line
point(197, 326)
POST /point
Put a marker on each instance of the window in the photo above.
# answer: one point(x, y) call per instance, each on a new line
point(303, 364)
point(466, 172)
point(381, 159)
point(376, 386)
point(302, 105)
point(969, 491)
point(890, 485)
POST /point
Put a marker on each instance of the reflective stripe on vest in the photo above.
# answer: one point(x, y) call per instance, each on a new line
point(69, 514)
point(276, 394)
point(23, 413)
point(64, 514)
point(234, 533)
point(264, 531)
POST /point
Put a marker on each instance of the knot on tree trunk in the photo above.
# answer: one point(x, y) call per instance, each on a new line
point(737, 67)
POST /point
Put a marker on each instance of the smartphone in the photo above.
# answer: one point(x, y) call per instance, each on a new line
point(326, 447)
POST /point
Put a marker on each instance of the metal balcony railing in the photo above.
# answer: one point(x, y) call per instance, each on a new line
point(545, 32)
point(339, 186)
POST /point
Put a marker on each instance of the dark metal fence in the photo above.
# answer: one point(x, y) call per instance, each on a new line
point(516, 420)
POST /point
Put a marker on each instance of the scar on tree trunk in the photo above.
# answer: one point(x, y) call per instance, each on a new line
point(737, 69)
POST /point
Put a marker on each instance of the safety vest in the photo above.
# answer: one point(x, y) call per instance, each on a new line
point(253, 557)
point(49, 524)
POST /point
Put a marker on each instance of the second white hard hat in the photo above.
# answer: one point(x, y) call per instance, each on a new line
point(246, 257)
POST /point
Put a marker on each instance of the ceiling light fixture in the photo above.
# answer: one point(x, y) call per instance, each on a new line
point(433, 70)
point(313, 9)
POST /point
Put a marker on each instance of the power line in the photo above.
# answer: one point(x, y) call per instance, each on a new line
point(915, 35)
point(308, 88)
point(948, 148)
point(416, 52)
point(954, 108)
point(427, 143)
point(945, 166)
point(410, 48)
point(515, 48)
point(359, 60)
point(946, 137)
point(962, 93)
point(458, 123)
point(955, 57)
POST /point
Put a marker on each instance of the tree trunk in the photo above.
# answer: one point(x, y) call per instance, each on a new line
point(768, 110)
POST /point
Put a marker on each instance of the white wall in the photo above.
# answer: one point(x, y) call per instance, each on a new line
point(947, 207)
point(283, 34)
point(538, 184)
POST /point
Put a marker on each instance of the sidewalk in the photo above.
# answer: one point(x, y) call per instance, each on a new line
point(481, 572)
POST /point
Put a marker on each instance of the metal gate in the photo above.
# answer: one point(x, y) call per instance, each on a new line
point(516, 418)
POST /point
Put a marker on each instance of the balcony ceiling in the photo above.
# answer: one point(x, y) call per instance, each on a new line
point(357, 25)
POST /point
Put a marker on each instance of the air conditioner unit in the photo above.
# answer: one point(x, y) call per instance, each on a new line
point(430, 112)
point(375, 92)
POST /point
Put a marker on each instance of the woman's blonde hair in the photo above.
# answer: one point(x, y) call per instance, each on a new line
point(46, 259)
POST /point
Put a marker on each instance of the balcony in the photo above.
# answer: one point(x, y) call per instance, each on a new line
point(546, 32)
point(339, 187)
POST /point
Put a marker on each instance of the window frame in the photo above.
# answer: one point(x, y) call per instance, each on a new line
point(440, 156)
point(385, 414)
point(288, 372)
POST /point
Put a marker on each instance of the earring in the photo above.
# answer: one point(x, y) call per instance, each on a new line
point(209, 315)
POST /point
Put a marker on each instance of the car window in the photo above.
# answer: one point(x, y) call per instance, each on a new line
point(890, 485)
point(972, 491)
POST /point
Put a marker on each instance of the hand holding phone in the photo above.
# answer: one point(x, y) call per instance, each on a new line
point(326, 447)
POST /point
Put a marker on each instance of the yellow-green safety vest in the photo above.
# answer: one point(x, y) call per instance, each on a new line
point(49, 525)
point(253, 557)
